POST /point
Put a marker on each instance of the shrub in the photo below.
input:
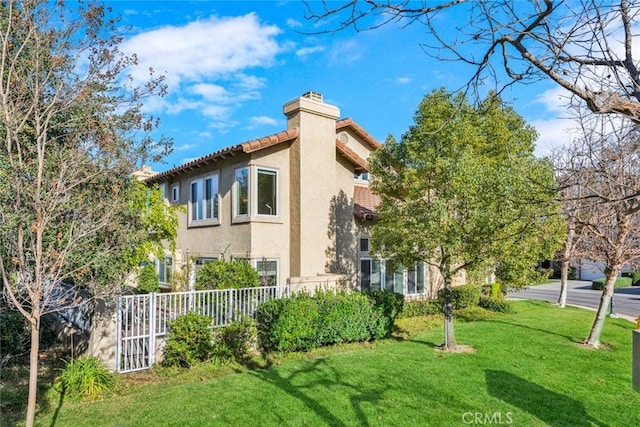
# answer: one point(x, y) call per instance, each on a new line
point(304, 322)
point(499, 305)
point(389, 306)
point(148, 279)
point(190, 340)
point(288, 324)
point(463, 296)
point(635, 277)
point(417, 308)
point(621, 282)
point(223, 274)
point(85, 377)
point(494, 290)
point(235, 341)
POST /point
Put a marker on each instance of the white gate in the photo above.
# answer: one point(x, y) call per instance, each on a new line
point(142, 319)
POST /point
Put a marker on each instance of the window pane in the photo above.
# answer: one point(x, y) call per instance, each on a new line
point(268, 272)
point(242, 191)
point(376, 275)
point(364, 245)
point(365, 274)
point(420, 277)
point(196, 201)
point(411, 282)
point(211, 197)
point(393, 280)
point(267, 187)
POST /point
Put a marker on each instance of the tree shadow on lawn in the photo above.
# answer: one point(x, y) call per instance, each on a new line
point(552, 408)
point(299, 384)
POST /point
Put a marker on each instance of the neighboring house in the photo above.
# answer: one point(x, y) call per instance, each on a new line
point(296, 204)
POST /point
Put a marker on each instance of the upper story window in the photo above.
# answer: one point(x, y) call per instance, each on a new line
point(361, 176)
point(163, 189)
point(267, 197)
point(175, 193)
point(204, 203)
point(241, 192)
point(364, 244)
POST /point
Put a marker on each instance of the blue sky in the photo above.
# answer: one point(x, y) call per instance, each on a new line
point(232, 65)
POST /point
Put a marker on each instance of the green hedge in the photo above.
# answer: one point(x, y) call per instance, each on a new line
point(417, 308)
point(494, 290)
point(621, 282)
point(635, 277)
point(303, 322)
point(499, 305)
point(463, 296)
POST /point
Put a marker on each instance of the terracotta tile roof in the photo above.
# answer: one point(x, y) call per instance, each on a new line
point(269, 141)
point(365, 203)
point(346, 152)
point(363, 134)
point(247, 147)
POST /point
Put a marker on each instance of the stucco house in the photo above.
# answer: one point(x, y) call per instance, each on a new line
point(296, 204)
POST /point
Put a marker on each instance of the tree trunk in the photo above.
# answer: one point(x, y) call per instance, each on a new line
point(564, 276)
point(611, 275)
point(449, 336)
point(33, 369)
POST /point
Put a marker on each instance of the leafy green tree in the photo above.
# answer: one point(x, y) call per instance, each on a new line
point(72, 133)
point(462, 190)
point(148, 279)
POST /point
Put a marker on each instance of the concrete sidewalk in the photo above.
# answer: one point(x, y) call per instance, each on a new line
point(626, 302)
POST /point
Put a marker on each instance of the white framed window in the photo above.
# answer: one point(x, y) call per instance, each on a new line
point(361, 176)
point(175, 193)
point(199, 263)
point(165, 267)
point(364, 244)
point(371, 274)
point(241, 192)
point(204, 201)
point(415, 279)
point(267, 191)
point(268, 271)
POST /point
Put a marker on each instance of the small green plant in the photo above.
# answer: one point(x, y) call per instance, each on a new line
point(422, 307)
point(190, 340)
point(85, 378)
point(14, 333)
point(148, 279)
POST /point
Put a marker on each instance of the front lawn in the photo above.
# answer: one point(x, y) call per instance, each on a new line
point(528, 369)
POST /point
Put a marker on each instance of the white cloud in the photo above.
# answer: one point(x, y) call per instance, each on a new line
point(184, 147)
point(555, 99)
point(261, 121)
point(348, 51)
point(293, 23)
point(402, 80)
point(305, 51)
point(554, 133)
point(206, 62)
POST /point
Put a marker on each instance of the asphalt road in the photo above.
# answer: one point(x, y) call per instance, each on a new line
point(626, 301)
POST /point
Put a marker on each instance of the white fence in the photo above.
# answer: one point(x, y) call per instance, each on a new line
point(142, 320)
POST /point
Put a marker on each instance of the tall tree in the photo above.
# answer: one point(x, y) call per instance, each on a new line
point(586, 47)
point(462, 190)
point(605, 167)
point(72, 133)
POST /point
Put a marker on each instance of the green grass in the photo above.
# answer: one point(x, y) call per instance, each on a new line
point(527, 368)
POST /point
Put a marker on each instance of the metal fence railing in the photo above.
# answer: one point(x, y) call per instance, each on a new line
point(143, 319)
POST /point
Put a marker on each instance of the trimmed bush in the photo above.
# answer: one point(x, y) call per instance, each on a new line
point(14, 333)
point(463, 296)
point(304, 322)
point(635, 277)
point(499, 305)
point(190, 340)
point(415, 308)
point(85, 378)
point(223, 274)
point(621, 282)
point(494, 290)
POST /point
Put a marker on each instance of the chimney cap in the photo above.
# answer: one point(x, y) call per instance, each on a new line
point(315, 96)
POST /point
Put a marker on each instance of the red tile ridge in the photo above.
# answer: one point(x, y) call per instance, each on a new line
point(351, 155)
point(270, 140)
point(358, 130)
